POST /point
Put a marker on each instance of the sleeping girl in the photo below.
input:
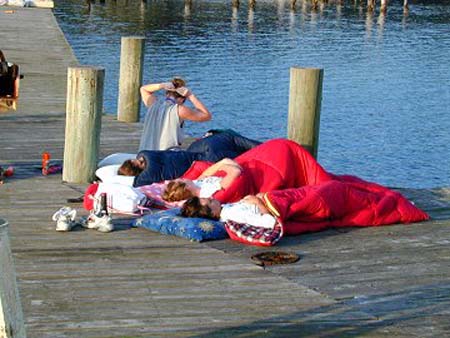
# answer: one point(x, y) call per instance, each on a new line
point(275, 164)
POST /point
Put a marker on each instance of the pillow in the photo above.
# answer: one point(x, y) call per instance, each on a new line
point(169, 222)
point(108, 174)
point(117, 158)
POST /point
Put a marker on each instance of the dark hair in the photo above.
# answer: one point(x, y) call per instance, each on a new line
point(193, 208)
point(128, 168)
point(176, 191)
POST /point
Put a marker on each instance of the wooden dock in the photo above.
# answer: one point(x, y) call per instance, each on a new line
point(373, 282)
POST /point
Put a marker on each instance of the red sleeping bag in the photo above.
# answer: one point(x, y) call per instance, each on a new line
point(305, 197)
point(340, 203)
point(273, 165)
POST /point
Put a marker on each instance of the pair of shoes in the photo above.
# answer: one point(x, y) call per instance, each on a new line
point(101, 223)
point(65, 219)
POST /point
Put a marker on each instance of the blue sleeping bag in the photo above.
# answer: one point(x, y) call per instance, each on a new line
point(169, 164)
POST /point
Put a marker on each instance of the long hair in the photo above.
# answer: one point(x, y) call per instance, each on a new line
point(193, 208)
point(176, 191)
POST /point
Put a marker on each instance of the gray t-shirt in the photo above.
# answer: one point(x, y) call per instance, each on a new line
point(162, 126)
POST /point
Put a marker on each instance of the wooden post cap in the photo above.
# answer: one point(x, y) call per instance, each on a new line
point(86, 67)
point(133, 37)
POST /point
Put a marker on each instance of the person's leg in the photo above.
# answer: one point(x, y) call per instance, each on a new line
point(221, 145)
point(243, 143)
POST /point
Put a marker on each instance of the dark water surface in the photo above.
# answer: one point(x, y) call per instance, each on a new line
point(386, 97)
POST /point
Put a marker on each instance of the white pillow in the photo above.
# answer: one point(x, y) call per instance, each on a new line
point(108, 174)
point(117, 158)
point(121, 198)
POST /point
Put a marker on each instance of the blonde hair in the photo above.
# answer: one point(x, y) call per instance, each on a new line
point(177, 191)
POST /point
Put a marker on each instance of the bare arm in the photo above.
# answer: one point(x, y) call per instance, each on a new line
point(232, 169)
point(252, 199)
point(147, 92)
point(199, 114)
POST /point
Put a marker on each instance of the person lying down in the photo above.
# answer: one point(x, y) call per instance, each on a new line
point(297, 191)
point(250, 210)
point(152, 166)
point(311, 208)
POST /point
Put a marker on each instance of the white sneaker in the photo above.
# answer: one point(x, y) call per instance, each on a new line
point(65, 218)
point(102, 224)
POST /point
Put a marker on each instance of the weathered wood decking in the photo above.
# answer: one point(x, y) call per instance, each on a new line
point(388, 281)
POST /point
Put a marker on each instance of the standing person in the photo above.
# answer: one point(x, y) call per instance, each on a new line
point(163, 123)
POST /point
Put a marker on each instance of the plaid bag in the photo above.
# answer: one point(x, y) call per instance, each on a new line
point(249, 234)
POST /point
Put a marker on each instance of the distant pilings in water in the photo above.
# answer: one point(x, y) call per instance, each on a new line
point(305, 99)
point(313, 5)
point(383, 7)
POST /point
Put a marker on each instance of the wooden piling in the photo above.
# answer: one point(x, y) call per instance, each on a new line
point(235, 3)
point(383, 6)
point(11, 315)
point(83, 123)
point(252, 4)
point(293, 4)
point(305, 96)
point(405, 6)
point(371, 5)
point(131, 66)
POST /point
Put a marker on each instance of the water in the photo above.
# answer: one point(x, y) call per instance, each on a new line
point(386, 85)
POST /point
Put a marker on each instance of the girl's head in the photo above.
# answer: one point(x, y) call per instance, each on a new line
point(201, 207)
point(177, 190)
